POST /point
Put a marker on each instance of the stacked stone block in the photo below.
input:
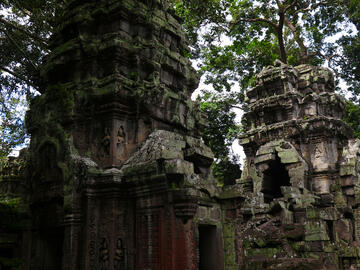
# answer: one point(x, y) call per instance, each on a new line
point(117, 165)
point(118, 176)
point(14, 221)
point(306, 216)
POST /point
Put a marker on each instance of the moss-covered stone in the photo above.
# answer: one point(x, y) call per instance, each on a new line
point(316, 231)
point(288, 157)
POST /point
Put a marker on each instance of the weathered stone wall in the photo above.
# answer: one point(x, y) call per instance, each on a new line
point(300, 177)
point(14, 221)
point(120, 176)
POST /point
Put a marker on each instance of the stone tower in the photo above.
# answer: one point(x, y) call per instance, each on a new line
point(117, 165)
point(301, 174)
point(118, 176)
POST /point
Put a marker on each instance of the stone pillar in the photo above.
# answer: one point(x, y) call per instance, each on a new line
point(72, 241)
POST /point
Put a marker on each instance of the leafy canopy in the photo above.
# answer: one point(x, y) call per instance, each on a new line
point(233, 40)
point(220, 134)
point(25, 29)
point(238, 38)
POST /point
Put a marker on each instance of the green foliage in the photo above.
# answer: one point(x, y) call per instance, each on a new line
point(12, 130)
point(352, 117)
point(10, 263)
point(349, 65)
point(250, 35)
point(221, 133)
point(242, 37)
point(12, 204)
point(25, 29)
point(353, 11)
point(227, 170)
point(349, 68)
point(198, 13)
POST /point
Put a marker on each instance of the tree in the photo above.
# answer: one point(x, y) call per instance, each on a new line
point(12, 131)
point(220, 134)
point(352, 117)
point(25, 30)
point(349, 63)
point(294, 31)
point(256, 33)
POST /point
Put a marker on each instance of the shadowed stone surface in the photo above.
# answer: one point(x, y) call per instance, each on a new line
point(117, 166)
point(118, 177)
point(14, 219)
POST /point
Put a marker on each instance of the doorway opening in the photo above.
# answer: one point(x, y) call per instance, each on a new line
point(208, 248)
point(275, 177)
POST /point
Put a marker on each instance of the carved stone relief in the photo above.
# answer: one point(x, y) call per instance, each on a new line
point(119, 256)
point(104, 255)
point(106, 141)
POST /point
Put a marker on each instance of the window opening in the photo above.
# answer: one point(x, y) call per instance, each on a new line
point(330, 229)
point(275, 177)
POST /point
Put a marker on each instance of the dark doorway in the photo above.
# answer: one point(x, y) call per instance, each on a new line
point(208, 248)
point(49, 249)
point(275, 176)
point(6, 252)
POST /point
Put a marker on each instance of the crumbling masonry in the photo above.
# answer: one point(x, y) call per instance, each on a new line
point(118, 177)
point(300, 179)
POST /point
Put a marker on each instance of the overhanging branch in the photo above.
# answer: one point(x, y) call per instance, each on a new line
point(22, 51)
point(19, 76)
point(298, 39)
point(272, 24)
point(34, 37)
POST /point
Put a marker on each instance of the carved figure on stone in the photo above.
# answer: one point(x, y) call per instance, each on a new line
point(81, 171)
point(119, 255)
point(106, 140)
point(104, 255)
point(317, 152)
point(121, 135)
point(120, 140)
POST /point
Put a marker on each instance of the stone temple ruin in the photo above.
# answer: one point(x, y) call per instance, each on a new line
point(118, 177)
point(300, 181)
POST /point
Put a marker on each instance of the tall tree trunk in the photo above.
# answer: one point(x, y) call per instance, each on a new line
point(281, 37)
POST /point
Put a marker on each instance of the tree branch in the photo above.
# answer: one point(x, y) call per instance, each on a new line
point(280, 36)
point(237, 107)
point(299, 41)
point(272, 24)
point(44, 41)
point(328, 58)
point(19, 77)
point(22, 51)
point(19, 6)
point(312, 7)
point(290, 6)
